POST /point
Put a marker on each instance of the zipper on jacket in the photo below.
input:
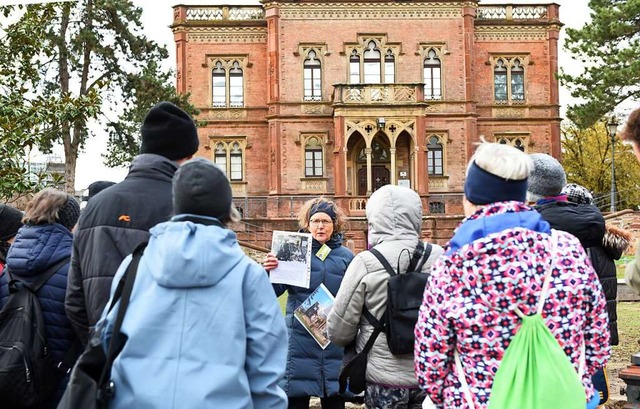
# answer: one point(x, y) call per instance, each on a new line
point(27, 371)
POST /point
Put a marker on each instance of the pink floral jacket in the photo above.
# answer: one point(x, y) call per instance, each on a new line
point(496, 261)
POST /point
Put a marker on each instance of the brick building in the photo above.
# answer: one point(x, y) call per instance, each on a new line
point(334, 97)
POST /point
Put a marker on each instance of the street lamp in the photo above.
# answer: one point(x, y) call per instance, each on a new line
point(612, 129)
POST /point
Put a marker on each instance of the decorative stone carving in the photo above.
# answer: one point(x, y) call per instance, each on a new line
point(314, 185)
point(238, 189)
point(509, 112)
point(510, 12)
point(213, 13)
point(226, 34)
point(370, 93)
point(312, 109)
point(434, 108)
point(225, 114)
point(438, 184)
point(370, 11)
point(359, 204)
point(510, 33)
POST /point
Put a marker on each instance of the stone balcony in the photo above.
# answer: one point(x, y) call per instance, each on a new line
point(383, 94)
point(525, 13)
point(221, 13)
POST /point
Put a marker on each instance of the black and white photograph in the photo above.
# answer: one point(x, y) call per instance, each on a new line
point(293, 251)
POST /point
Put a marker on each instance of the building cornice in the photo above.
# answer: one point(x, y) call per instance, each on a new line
point(511, 33)
point(218, 34)
point(368, 10)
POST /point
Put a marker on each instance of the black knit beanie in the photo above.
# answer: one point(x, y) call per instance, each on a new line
point(99, 186)
point(169, 131)
point(69, 213)
point(10, 222)
point(200, 188)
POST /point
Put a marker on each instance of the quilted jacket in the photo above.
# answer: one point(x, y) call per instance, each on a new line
point(495, 262)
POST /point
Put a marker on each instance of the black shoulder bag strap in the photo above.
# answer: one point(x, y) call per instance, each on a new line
point(384, 262)
point(425, 256)
point(43, 277)
point(122, 293)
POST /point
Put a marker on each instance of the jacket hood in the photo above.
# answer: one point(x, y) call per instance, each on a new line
point(184, 254)
point(152, 166)
point(496, 218)
point(583, 221)
point(394, 213)
point(38, 247)
point(616, 241)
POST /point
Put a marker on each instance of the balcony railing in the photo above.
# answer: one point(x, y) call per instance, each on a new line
point(378, 93)
point(512, 12)
point(221, 13)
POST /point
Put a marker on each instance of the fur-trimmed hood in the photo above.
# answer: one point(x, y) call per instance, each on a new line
point(616, 241)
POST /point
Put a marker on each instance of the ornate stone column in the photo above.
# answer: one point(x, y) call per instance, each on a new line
point(394, 171)
point(367, 151)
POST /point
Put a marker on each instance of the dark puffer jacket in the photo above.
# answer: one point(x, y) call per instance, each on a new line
point(35, 249)
point(114, 222)
point(312, 371)
point(603, 258)
point(587, 224)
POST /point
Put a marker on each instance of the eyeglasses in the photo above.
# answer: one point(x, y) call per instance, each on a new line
point(320, 222)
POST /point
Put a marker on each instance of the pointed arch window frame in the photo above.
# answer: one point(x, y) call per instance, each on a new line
point(519, 140)
point(509, 78)
point(436, 158)
point(314, 166)
point(359, 66)
point(229, 71)
point(430, 87)
point(312, 75)
point(230, 155)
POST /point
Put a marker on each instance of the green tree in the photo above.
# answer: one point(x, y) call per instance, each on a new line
point(586, 157)
point(84, 61)
point(609, 46)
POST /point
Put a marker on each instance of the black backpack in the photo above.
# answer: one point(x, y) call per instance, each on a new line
point(404, 297)
point(28, 374)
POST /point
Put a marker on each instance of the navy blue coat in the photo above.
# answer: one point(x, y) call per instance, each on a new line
point(35, 249)
point(312, 371)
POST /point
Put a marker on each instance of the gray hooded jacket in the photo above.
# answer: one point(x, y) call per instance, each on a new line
point(395, 220)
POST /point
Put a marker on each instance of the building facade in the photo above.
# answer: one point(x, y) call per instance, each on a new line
point(301, 98)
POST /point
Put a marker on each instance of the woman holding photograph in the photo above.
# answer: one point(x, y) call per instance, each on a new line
point(312, 371)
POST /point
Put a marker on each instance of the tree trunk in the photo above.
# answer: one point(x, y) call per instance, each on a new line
point(70, 159)
point(70, 153)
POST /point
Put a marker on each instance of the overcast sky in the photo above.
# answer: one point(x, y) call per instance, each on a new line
point(158, 15)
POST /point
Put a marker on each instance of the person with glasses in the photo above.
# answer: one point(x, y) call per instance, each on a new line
point(312, 371)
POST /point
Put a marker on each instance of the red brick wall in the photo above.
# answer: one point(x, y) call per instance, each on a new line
point(274, 160)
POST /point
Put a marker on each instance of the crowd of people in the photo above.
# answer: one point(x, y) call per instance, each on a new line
point(203, 325)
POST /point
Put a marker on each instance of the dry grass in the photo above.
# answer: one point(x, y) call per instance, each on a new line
point(629, 330)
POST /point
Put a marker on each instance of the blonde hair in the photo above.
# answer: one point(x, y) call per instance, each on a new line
point(339, 225)
point(44, 207)
point(502, 160)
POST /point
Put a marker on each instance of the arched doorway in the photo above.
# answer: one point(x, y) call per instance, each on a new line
point(380, 164)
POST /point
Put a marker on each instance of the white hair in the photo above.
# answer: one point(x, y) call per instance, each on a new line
point(502, 160)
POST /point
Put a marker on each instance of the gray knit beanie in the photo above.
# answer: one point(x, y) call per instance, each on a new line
point(547, 179)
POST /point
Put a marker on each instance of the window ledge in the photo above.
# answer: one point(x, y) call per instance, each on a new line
point(314, 178)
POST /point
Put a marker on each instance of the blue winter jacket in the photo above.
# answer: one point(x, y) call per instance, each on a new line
point(312, 371)
point(203, 325)
point(35, 249)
